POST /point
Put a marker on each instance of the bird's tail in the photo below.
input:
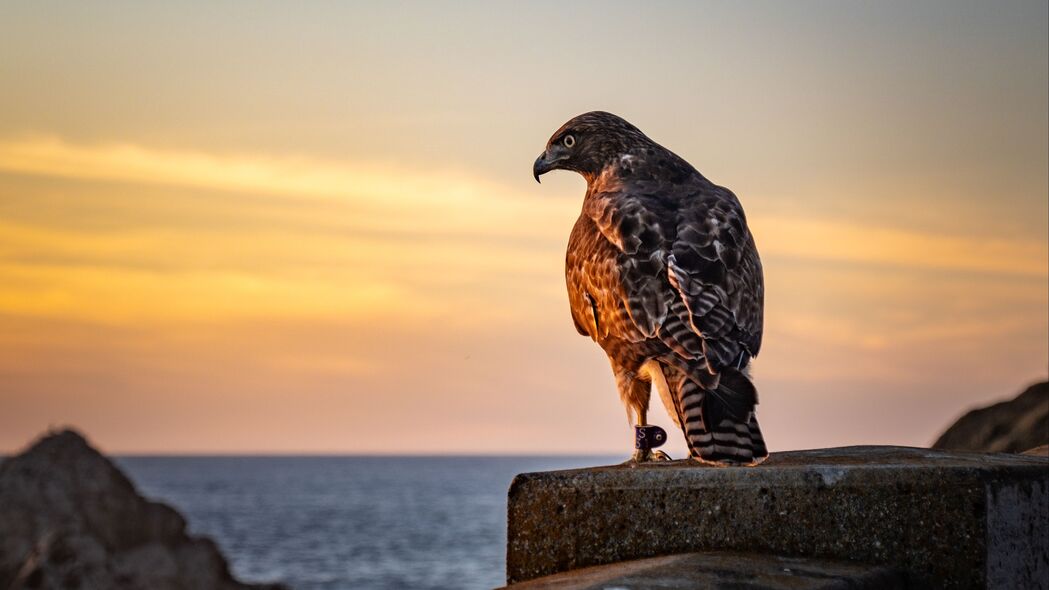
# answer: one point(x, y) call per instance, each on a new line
point(719, 423)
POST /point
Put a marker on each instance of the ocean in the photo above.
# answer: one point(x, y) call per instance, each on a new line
point(349, 522)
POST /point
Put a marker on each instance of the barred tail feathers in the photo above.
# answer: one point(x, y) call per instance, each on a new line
point(719, 424)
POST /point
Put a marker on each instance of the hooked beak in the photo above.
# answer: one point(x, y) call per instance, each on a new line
point(540, 167)
point(546, 162)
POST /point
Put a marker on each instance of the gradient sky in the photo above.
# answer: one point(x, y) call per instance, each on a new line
point(259, 227)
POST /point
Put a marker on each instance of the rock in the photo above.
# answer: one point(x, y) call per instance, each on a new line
point(723, 570)
point(1012, 426)
point(945, 519)
point(70, 519)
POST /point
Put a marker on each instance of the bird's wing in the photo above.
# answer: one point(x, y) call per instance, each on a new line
point(637, 232)
point(714, 266)
point(689, 270)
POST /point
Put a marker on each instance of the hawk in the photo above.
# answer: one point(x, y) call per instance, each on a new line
point(663, 274)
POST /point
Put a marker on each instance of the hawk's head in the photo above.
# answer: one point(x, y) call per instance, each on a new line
point(588, 143)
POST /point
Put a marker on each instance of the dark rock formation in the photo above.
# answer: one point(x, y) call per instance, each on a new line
point(1012, 426)
point(69, 519)
point(944, 519)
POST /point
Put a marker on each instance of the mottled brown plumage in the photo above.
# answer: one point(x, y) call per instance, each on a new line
point(662, 272)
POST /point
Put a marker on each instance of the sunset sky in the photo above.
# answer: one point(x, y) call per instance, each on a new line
point(312, 227)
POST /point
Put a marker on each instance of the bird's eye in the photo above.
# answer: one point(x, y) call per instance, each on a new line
point(569, 141)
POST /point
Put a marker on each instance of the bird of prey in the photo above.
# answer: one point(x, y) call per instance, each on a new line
point(663, 274)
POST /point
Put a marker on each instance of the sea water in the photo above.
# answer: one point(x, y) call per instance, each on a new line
point(348, 522)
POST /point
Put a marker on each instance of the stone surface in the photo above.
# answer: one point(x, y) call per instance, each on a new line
point(1042, 451)
point(70, 519)
point(691, 571)
point(1012, 426)
point(946, 519)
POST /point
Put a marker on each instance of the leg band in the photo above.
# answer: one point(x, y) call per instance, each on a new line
point(649, 437)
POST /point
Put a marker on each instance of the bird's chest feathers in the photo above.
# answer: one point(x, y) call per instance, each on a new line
point(591, 273)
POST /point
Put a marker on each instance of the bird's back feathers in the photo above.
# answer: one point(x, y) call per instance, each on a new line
point(685, 259)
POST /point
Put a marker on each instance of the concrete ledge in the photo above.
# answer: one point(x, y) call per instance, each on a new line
point(723, 570)
point(945, 519)
point(689, 571)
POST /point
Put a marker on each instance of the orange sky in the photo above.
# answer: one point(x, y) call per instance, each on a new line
point(239, 229)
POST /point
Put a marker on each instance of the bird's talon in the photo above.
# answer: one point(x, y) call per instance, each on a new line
point(660, 456)
point(642, 456)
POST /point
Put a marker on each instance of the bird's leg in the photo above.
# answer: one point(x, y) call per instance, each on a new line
point(643, 433)
point(635, 391)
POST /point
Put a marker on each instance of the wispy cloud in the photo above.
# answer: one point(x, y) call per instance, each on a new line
point(405, 201)
point(821, 239)
point(292, 176)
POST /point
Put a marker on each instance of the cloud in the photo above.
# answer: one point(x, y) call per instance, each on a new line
point(825, 240)
point(292, 176)
point(442, 205)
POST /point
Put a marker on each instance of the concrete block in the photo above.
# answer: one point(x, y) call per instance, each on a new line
point(945, 519)
point(689, 571)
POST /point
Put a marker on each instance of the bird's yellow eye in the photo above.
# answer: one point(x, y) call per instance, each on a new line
point(569, 141)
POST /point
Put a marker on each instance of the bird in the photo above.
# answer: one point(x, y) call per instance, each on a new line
point(664, 275)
